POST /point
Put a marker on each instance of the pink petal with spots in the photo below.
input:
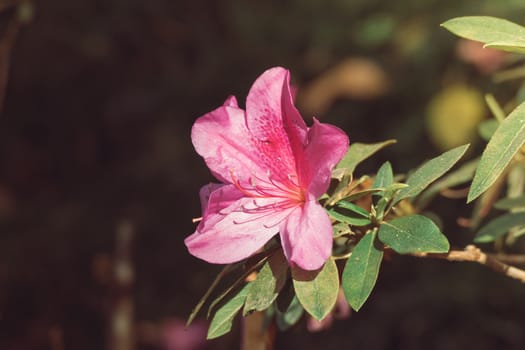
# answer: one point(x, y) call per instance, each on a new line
point(307, 236)
point(264, 119)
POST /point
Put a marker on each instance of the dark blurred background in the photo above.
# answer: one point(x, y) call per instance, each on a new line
point(99, 180)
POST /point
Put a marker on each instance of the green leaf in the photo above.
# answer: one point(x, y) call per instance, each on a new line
point(495, 107)
point(227, 269)
point(493, 32)
point(384, 176)
point(353, 208)
point(430, 171)
point(510, 203)
point(498, 227)
point(269, 282)
point(317, 290)
point(250, 265)
point(290, 316)
point(460, 176)
point(341, 229)
point(356, 195)
point(350, 213)
point(500, 150)
point(361, 270)
point(487, 128)
point(223, 319)
point(349, 218)
point(357, 153)
point(413, 234)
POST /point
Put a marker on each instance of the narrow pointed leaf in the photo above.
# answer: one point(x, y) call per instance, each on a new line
point(350, 213)
point(510, 46)
point(290, 316)
point(361, 270)
point(349, 218)
point(430, 171)
point(510, 203)
point(494, 32)
point(223, 319)
point(384, 177)
point(353, 208)
point(413, 234)
point(205, 297)
point(357, 153)
point(269, 282)
point(356, 195)
point(317, 290)
point(460, 176)
point(499, 227)
point(504, 144)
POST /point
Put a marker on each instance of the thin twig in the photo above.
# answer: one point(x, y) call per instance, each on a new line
point(511, 259)
point(121, 335)
point(474, 254)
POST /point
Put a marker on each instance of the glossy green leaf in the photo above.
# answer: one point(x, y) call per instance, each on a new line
point(384, 176)
point(361, 270)
point(357, 153)
point(499, 227)
point(290, 316)
point(430, 171)
point(413, 234)
point(269, 282)
point(223, 319)
point(510, 203)
point(317, 290)
point(500, 150)
point(493, 32)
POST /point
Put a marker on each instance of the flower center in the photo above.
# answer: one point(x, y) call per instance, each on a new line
point(286, 189)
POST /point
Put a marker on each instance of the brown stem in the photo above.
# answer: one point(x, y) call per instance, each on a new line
point(474, 254)
point(121, 335)
point(255, 334)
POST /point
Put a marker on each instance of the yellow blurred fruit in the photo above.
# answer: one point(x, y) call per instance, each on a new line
point(453, 115)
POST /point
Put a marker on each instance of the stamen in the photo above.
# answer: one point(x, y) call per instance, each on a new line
point(271, 187)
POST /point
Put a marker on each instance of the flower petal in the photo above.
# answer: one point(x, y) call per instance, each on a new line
point(307, 236)
point(222, 139)
point(327, 144)
point(231, 101)
point(233, 231)
point(205, 193)
point(264, 118)
point(219, 200)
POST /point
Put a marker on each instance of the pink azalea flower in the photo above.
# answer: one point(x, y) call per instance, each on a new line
point(273, 169)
